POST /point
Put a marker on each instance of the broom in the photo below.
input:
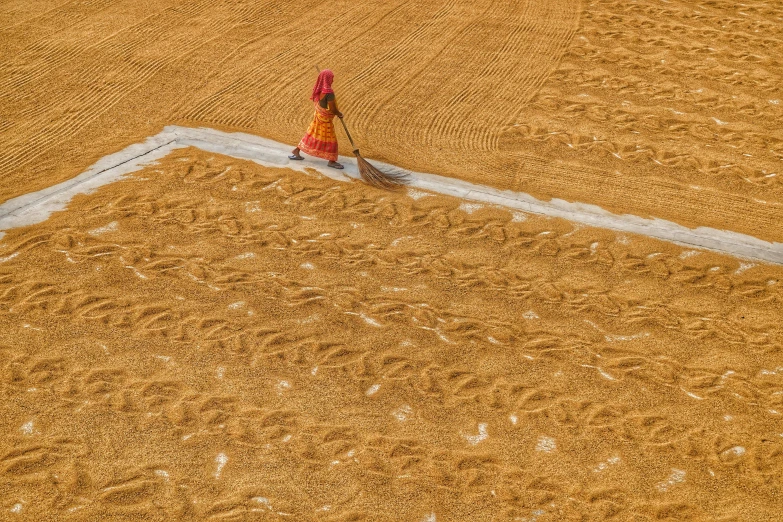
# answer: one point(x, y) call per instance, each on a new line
point(370, 174)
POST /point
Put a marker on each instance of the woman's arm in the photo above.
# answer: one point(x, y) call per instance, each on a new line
point(333, 108)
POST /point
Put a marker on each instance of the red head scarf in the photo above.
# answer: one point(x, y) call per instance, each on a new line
point(323, 85)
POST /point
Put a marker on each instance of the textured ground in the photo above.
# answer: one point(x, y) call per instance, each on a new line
point(212, 339)
point(216, 339)
point(670, 109)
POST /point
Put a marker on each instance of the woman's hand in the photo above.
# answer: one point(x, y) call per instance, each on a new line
point(334, 110)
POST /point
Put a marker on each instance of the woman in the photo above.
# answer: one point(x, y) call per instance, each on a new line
point(320, 140)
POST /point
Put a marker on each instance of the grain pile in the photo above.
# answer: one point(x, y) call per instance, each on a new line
point(213, 339)
point(667, 109)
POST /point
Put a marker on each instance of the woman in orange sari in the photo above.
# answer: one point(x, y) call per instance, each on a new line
point(320, 140)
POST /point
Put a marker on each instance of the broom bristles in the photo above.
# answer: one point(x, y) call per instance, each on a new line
point(379, 179)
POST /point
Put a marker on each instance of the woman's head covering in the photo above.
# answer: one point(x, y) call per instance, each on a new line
point(323, 85)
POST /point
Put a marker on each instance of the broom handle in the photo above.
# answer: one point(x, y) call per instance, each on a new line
point(348, 133)
point(341, 120)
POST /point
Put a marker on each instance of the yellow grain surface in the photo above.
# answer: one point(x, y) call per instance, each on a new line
point(210, 339)
point(666, 109)
point(360, 355)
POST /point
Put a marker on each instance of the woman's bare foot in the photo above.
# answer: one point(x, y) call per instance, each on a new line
point(295, 155)
point(335, 165)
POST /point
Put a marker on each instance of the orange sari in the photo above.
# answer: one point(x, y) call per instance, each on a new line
point(320, 140)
